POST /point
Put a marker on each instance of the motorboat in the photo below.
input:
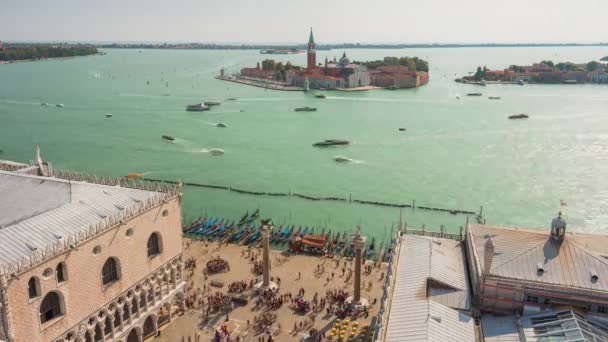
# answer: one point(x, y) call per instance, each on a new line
point(494, 97)
point(320, 96)
point(212, 103)
point(222, 125)
point(44, 104)
point(341, 159)
point(401, 129)
point(216, 151)
point(331, 142)
point(108, 115)
point(306, 109)
point(199, 107)
point(474, 94)
point(520, 82)
point(168, 138)
point(59, 105)
point(518, 116)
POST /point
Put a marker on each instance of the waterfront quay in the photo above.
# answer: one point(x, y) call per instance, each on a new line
point(288, 322)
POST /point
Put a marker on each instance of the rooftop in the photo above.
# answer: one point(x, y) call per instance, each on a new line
point(41, 213)
point(520, 253)
point(430, 285)
point(562, 324)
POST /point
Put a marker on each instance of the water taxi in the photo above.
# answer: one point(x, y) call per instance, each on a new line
point(199, 107)
point(518, 116)
point(306, 109)
point(331, 142)
point(168, 138)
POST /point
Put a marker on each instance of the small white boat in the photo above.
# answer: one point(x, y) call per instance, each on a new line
point(59, 105)
point(44, 104)
point(221, 124)
point(108, 115)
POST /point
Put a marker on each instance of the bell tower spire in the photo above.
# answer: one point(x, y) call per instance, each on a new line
point(311, 52)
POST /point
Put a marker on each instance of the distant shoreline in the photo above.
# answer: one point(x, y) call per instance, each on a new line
point(47, 58)
point(200, 46)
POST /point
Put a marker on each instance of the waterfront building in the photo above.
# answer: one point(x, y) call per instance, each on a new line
point(84, 258)
point(524, 270)
point(335, 75)
point(397, 76)
point(341, 74)
point(598, 76)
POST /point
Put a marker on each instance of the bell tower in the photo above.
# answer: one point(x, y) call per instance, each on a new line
point(311, 52)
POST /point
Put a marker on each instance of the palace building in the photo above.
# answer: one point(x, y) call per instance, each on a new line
point(86, 259)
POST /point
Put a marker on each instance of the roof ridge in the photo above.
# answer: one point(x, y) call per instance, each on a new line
point(591, 254)
point(518, 255)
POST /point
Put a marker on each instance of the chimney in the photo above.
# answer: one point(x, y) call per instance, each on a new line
point(488, 255)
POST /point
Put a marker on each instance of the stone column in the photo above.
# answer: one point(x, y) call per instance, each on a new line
point(120, 318)
point(266, 254)
point(266, 283)
point(355, 299)
point(358, 242)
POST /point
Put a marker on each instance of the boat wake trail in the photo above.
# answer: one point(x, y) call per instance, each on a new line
point(17, 102)
point(343, 159)
point(212, 151)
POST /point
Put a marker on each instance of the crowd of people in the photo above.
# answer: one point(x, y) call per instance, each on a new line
point(217, 301)
point(240, 286)
point(217, 265)
point(269, 298)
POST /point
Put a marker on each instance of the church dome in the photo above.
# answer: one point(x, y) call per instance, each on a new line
point(344, 61)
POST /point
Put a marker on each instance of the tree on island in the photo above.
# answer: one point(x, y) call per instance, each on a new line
point(268, 64)
point(568, 66)
point(592, 66)
point(604, 58)
point(412, 63)
point(517, 68)
point(480, 74)
point(44, 51)
point(549, 63)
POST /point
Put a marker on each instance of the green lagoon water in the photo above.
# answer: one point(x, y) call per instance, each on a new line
point(455, 153)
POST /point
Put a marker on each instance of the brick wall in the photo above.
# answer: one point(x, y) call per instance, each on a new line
point(83, 291)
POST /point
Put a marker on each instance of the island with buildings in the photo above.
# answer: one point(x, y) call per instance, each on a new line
point(342, 74)
point(545, 72)
point(89, 258)
point(10, 53)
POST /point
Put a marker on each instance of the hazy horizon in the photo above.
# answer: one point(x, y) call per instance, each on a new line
point(280, 22)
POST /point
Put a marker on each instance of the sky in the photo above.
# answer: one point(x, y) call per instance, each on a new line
point(288, 21)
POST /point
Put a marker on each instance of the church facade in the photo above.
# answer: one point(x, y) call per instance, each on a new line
point(330, 75)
